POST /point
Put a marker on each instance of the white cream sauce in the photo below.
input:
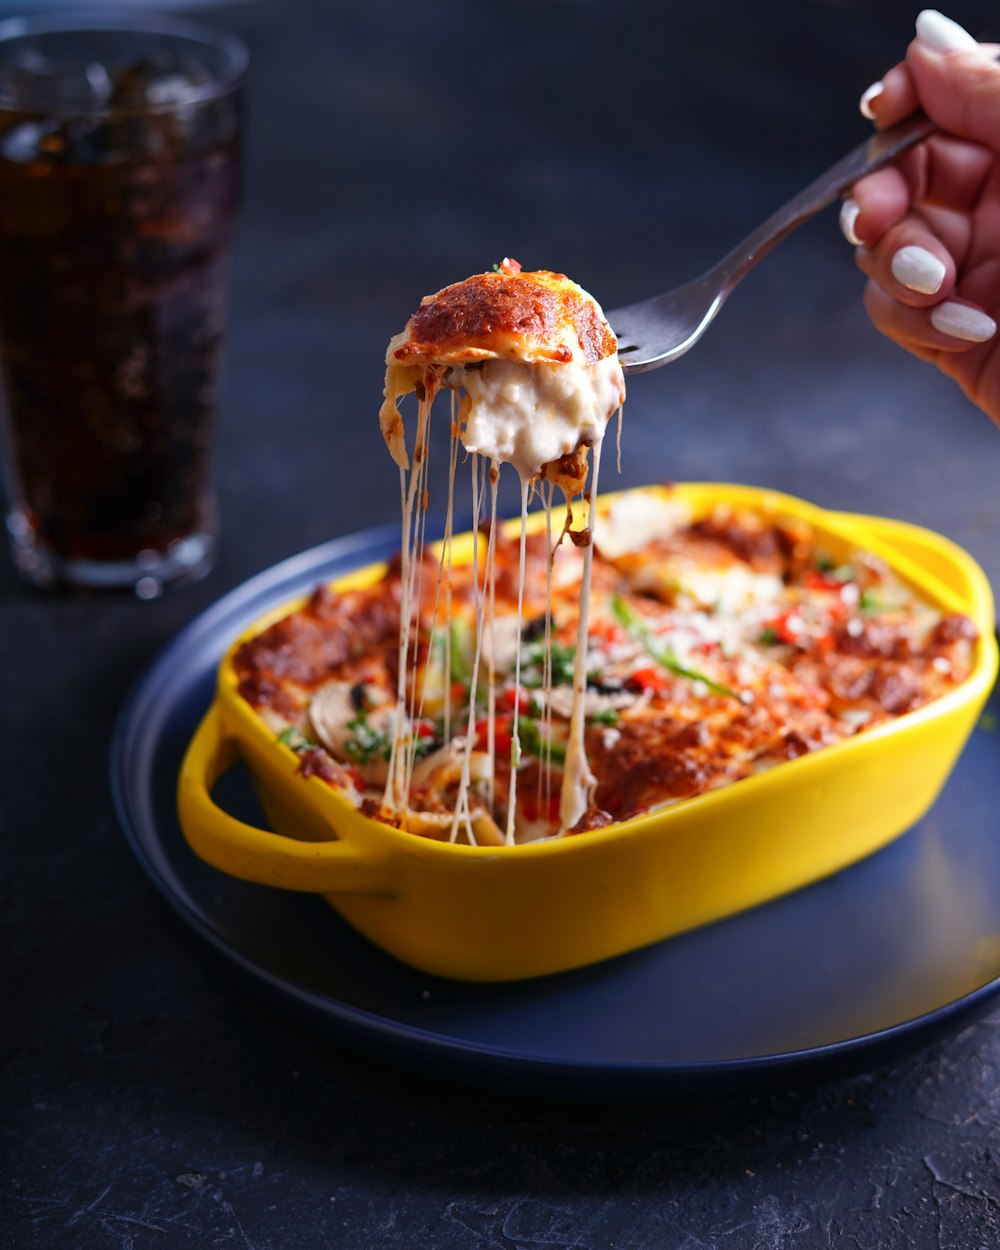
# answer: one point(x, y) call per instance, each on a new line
point(528, 415)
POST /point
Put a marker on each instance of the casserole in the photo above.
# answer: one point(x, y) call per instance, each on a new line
point(508, 912)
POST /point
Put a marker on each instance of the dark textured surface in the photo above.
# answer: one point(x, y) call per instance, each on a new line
point(146, 1101)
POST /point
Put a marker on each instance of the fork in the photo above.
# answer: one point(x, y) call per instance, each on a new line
point(656, 331)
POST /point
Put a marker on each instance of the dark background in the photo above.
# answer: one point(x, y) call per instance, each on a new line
point(146, 1101)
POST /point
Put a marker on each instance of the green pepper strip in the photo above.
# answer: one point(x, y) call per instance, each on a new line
point(461, 668)
point(533, 742)
point(663, 655)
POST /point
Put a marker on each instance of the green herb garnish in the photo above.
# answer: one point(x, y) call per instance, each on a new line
point(768, 636)
point(293, 738)
point(839, 572)
point(562, 659)
point(868, 603)
point(367, 742)
point(662, 653)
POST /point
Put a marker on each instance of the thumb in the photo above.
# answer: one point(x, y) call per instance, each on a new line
point(957, 80)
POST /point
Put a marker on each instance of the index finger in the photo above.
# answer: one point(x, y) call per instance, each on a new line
point(891, 99)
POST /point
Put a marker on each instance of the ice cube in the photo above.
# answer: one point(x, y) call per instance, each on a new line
point(23, 144)
point(37, 80)
point(161, 78)
point(171, 89)
point(99, 81)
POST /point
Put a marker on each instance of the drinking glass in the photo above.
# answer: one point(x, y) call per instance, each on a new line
point(120, 156)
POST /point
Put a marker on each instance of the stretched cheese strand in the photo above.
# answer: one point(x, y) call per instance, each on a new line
point(421, 469)
point(444, 583)
point(515, 746)
point(545, 773)
point(463, 811)
point(578, 781)
point(449, 530)
point(491, 705)
point(395, 790)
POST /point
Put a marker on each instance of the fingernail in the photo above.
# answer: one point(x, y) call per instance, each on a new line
point(938, 33)
point(848, 216)
point(865, 104)
point(918, 270)
point(959, 321)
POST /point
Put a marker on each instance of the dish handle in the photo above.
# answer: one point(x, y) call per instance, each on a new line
point(338, 866)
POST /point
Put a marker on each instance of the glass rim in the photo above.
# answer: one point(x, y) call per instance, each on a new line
point(119, 21)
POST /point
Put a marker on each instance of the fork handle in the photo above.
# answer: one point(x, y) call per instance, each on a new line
point(875, 152)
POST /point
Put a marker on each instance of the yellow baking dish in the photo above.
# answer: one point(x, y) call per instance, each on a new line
point(495, 914)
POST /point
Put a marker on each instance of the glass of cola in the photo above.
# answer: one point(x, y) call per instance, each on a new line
point(120, 157)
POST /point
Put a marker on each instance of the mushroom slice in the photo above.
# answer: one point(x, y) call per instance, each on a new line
point(349, 731)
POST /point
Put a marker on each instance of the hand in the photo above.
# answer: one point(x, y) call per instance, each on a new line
point(928, 227)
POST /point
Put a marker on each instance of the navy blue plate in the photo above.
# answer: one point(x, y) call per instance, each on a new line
point(838, 975)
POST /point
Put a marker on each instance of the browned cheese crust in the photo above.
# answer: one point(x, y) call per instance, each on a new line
point(539, 316)
point(833, 655)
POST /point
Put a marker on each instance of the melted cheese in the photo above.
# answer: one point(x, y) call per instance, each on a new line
point(528, 415)
point(578, 781)
point(679, 700)
point(533, 364)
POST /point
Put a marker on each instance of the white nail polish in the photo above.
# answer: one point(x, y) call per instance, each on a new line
point(938, 33)
point(918, 270)
point(959, 321)
point(848, 216)
point(872, 93)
